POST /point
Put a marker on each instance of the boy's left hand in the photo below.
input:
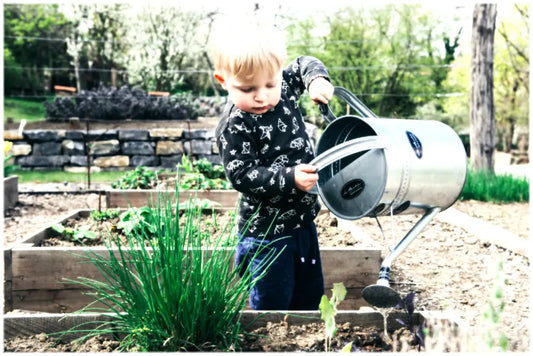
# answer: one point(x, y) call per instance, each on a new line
point(320, 90)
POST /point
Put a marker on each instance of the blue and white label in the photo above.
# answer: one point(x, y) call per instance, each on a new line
point(415, 143)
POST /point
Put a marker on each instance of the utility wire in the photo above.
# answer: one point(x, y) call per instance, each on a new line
point(439, 95)
point(108, 70)
point(208, 71)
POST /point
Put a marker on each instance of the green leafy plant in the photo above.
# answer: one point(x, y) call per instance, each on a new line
point(328, 311)
point(140, 220)
point(75, 235)
point(139, 178)
point(201, 174)
point(493, 335)
point(8, 168)
point(103, 215)
point(164, 290)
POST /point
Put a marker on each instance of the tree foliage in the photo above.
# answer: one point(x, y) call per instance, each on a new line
point(167, 42)
point(511, 73)
point(392, 57)
point(29, 33)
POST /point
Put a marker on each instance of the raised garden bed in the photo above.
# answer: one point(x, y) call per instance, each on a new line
point(35, 276)
point(299, 331)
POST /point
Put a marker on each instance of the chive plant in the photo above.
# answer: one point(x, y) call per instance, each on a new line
point(166, 290)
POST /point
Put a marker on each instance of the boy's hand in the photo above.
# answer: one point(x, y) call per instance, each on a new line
point(305, 176)
point(320, 90)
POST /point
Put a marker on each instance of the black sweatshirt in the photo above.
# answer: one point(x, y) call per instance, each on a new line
point(259, 153)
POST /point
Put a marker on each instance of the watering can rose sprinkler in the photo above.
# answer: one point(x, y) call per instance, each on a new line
point(370, 166)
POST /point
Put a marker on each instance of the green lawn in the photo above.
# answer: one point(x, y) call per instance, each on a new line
point(19, 109)
point(62, 176)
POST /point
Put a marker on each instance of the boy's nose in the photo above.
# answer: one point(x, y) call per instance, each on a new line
point(260, 96)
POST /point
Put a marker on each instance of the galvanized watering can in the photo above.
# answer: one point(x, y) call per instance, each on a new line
point(368, 166)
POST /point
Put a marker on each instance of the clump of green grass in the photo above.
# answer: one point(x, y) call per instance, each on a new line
point(165, 290)
point(60, 176)
point(491, 187)
point(19, 109)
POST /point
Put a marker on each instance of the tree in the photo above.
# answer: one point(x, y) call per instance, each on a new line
point(96, 42)
point(511, 75)
point(482, 119)
point(30, 35)
point(168, 44)
point(391, 56)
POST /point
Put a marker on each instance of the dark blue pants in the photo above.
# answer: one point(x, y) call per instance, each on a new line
point(293, 281)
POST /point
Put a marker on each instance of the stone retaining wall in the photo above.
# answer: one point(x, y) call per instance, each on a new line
point(69, 150)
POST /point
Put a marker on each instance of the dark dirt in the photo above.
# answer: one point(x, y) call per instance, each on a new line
point(330, 234)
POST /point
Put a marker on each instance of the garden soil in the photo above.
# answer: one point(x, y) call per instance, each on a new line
point(450, 269)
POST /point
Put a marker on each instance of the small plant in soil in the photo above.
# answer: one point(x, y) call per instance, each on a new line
point(139, 178)
point(105, 214)
point(198, 174)
point(408, 306)
point(165, 291)
point(82, 235)
point(328, 310)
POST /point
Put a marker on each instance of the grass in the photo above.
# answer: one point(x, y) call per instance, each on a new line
point(19, 109)
point(491, 187)
point(59, 176)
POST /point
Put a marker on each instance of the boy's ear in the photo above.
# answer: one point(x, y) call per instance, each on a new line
point(218, 76)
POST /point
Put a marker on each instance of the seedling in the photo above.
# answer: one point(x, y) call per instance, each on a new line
point(407, 304)
point(75, 235)
point(106, 214)
point(328, 310)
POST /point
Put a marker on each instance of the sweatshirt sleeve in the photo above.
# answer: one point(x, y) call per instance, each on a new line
point(302, 71)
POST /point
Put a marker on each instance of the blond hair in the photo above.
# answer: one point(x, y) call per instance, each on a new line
point(242, 49)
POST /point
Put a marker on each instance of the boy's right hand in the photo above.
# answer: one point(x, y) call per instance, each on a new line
point(305, 176)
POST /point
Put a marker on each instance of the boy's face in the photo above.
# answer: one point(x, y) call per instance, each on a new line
point(256, 95)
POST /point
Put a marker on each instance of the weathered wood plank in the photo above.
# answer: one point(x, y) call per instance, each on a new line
point(50, 267)
point(52, 301)
point(71, 300)
point(124, 198)
point(355, 267)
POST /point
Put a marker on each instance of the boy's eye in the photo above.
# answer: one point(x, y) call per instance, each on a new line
point(246, 90)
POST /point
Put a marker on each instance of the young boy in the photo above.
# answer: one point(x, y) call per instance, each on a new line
point(265, 149)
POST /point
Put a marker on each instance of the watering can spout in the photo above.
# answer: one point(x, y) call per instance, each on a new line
point(381, 295)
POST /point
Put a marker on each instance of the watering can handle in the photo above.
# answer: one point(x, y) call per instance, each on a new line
point(351, 100)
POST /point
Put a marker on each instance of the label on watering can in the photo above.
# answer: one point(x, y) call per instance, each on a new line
point(352, 189)
point(415, 143)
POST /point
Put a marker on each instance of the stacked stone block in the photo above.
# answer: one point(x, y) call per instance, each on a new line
point(110, 149)
point(69, 150)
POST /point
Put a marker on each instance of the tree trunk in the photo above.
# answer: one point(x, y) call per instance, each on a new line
point(482, 119)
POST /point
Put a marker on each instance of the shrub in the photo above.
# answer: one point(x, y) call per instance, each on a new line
point(121, 104)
